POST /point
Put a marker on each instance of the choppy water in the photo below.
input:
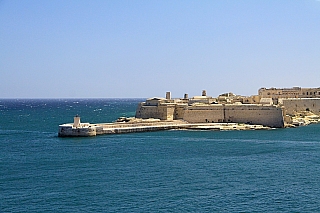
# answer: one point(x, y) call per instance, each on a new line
point(168, 171)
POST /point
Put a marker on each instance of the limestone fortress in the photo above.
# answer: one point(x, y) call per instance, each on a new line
point(272, 107)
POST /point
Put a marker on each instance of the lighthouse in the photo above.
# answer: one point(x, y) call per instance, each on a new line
point(76, 121)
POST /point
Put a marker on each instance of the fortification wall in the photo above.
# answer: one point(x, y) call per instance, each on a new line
point(301, 104)
point(147, 111)
point(160, 112)
point(204, 114)
point(168, 112)
point(265, 115)
point(271, 116)
point(179, 111)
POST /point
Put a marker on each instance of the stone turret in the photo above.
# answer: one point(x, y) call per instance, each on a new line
point(204, 93)
point(76, 121)
point(168, 95)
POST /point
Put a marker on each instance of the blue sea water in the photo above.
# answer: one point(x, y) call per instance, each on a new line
point(166, 171)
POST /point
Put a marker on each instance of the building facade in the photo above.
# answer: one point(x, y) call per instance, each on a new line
point(294, 92)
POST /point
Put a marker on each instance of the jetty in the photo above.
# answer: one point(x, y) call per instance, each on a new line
point(132, 125)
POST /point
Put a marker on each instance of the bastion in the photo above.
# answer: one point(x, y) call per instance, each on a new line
point(205, 109)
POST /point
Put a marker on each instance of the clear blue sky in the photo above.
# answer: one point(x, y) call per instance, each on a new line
point(133, 48)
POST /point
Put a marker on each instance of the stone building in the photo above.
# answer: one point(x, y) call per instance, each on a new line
point(295, 99)
point(294, 92)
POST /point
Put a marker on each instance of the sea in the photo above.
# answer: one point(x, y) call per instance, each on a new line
point(274, 170)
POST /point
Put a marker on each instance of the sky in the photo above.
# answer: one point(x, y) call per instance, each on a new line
point(144, 48)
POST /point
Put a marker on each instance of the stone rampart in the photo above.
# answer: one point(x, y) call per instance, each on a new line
point(293, 105)
point(271, 116)
point(204, 114)
point(163, 112)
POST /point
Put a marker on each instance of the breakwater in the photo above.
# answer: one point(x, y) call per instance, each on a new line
point(78, 129)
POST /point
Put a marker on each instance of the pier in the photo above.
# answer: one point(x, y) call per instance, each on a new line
point(133, 125)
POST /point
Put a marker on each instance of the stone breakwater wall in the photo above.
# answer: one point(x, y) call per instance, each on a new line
point(87, 129)
point(68, 130)
point(149, 127)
